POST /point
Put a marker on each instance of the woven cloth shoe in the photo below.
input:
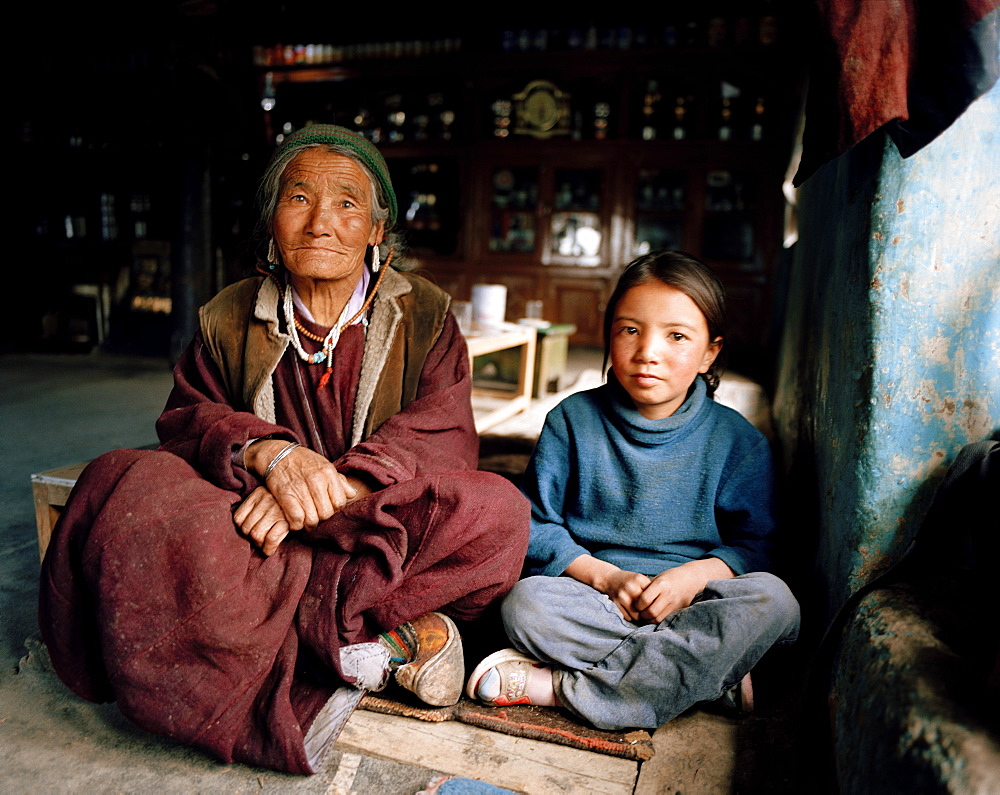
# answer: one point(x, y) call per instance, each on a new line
point(504, 673)
point(436, 672)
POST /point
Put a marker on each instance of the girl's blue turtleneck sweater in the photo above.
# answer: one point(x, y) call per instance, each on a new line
point(647, 495)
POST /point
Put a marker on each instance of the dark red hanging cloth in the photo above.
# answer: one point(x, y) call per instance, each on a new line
point(910, 66)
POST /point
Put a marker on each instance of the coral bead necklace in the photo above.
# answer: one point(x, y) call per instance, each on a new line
point(329, 342)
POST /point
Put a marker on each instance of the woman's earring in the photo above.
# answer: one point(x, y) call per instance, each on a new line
point(376, 259)
point(272, 254)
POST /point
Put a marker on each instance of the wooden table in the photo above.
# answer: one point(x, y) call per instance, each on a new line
point(510, 335)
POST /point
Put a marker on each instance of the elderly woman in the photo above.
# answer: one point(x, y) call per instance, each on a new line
point(312, 522)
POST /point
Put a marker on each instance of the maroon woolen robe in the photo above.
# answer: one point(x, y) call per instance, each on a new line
point(150, 595)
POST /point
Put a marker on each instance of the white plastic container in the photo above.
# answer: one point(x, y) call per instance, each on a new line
point(489, 305)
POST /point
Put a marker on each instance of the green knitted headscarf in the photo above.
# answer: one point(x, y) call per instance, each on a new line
point(362, 148)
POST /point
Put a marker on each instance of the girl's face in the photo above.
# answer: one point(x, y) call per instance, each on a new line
point(659, 345)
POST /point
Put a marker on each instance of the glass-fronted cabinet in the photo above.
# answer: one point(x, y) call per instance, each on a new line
point(576, 227)
point(544, 215)
point(660, 202)
point(545, 233)
point(728, 225)
point(514, 209)
point(427, 190)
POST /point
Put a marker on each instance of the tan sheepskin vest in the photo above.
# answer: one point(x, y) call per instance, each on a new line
point(241, 329)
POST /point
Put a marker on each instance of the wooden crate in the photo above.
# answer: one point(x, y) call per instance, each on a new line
point(51, 490)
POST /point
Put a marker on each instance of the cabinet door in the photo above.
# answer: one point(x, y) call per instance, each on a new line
point(453, 280)
point(514, 210)
point(580, 302)
point(728, 223)
point(546, 214)
point(427, 190)
point(661, 201)
point(578, 228)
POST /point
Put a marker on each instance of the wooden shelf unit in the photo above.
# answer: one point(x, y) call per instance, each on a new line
point(741, 243)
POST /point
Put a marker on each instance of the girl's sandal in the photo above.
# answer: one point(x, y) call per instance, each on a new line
point(737, 700)
point(504, 673)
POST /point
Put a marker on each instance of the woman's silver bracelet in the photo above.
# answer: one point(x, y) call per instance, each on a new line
point(285, 451)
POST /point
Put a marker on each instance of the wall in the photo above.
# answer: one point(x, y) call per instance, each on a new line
point(889, 360)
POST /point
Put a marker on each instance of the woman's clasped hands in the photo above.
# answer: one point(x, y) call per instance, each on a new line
point(302, 490)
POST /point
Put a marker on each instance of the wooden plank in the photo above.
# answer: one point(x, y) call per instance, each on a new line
point(513, 762)
point(509, 409)
point(512, 336)
point(50, 491)
point(63, 476)
point(696, 754)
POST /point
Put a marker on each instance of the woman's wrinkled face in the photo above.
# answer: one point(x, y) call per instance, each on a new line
point(323, 220)
point(659, 345)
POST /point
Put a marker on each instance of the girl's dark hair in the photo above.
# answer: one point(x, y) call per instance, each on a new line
point(692, 277)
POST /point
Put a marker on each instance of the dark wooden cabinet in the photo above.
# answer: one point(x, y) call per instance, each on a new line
point(555, 169)
point(543, 153)
point(727, 210)
point(542, 223)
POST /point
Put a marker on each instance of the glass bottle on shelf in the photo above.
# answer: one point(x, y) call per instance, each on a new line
point(670, 38)
point(447, 124)
point(680, 120)
point(139, 206)
point(692, 30)
point(717, 30)
point(395, 118)
point(501, 117)
point(728, 96)
point(757, 128)
point(441, 117)
point(722, 192)
point(109, 220)
point(420, 118)
point(268, 98)
point(725, 120)
point(741, 27)
point(602, 114)
point(650, 111)
point(767, 26)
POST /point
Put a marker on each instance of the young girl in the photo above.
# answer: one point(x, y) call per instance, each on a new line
point(651, 522)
